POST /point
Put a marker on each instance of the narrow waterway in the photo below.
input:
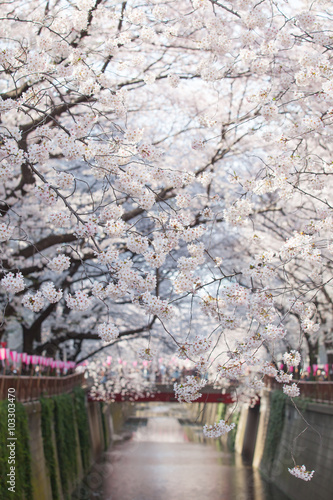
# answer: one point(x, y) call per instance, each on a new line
point(163, 459)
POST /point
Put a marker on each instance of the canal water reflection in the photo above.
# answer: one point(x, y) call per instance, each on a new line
point(163, 460)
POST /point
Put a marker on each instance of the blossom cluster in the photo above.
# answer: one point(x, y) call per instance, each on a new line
point(79, 302)
point(33, 302)
point(292, 358)
point(59, 219)
point(64, 180)
point(50, 293)
point(218, 429)
point(189, 390)
point(233, 370)
point(300, 472)
point(6, 232)
point(46, 194)
point(272, 332)
point(59, 263)
point(107, 332)
point(291, 390)
point(202, 365)
point(13, 283)
point(147, 354)
point(107, 256)
point(154, 305)
point(238, 213)
point(199, 345)
point(283, 378)
point(183, 352)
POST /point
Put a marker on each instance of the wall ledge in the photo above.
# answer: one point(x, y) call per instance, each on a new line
point(327, 409)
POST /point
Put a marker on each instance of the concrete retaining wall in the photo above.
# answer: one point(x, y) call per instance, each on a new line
point(101, 435)
point(204, 413)
point(40, 480)
point(313, 447)
point(95, 429)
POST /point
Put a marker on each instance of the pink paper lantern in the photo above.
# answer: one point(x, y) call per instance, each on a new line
point(14, 356)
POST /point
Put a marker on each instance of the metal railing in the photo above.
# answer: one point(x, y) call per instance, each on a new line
point(319, 391)
point(165, 393)
point(32, 388)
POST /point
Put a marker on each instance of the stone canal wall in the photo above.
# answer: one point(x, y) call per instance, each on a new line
point(40, 481)
point(269, 437)
point(91, 427)
point(266, 437)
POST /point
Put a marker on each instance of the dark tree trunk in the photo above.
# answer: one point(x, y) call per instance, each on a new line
point(28, 339)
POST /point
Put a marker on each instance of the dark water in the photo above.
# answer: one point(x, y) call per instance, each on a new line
point(163, 460)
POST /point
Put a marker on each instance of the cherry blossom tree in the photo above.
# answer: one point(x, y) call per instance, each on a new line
point(165, 162)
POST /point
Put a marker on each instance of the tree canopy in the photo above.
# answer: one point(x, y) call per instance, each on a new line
point(166, 173)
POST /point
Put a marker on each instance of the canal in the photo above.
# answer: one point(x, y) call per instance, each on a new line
point(164, 457)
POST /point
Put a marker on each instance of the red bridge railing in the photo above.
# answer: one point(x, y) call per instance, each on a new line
point(165, 393)
point(30, 388)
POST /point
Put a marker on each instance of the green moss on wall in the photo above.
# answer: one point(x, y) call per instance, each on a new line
point(82, 425)
point(274, 429)
point(221, 411)
point(66, 440)
point(65, 412)
point(232, 434)
point(47, 406)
